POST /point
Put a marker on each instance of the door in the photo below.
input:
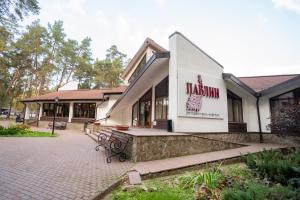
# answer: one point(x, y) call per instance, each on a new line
point(145, 109)
point(145, 114)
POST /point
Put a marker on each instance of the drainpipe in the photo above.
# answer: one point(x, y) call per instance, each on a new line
point(258, 117)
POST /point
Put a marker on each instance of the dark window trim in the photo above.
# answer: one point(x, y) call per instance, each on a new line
point(138, 69)
point(140, 100)
point(54, 106)
point(155, 97)
point(235, 97)
point(275, 98)
point(88, 110)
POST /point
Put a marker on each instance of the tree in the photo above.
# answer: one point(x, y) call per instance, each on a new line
point(108, 71)
point(83, 68)
point(13, 10)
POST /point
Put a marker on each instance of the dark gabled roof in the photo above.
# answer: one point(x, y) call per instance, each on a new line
point(263, 85)
point(260, 83)
point(84, 94)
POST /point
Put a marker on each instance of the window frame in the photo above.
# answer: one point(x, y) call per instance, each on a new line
point(88, 110)
point(235, 98)
point(164, 84)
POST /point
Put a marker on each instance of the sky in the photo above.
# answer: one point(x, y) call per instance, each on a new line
point(248, 37)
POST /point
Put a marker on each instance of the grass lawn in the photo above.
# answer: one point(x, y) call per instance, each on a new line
point(269, 175)
point(22, 131)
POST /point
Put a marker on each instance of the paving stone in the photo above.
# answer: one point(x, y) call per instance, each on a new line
point(134, 178)
point(65, 167)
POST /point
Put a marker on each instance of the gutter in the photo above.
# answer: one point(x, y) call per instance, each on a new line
point(258, 118)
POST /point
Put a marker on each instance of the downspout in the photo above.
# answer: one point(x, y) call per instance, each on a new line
point(258, 117)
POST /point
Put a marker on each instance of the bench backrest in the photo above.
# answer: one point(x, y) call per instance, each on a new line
point(121, 140)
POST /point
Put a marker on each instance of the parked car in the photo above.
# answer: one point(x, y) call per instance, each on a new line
point(19, 118)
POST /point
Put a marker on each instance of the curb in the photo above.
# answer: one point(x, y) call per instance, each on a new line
point(110, 188)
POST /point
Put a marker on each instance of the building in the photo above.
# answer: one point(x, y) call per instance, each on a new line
point(190, 89)
point(183, 88)
point(73, 106)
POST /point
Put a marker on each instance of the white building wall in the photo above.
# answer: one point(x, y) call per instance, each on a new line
point(186, 56)
point(103, 107)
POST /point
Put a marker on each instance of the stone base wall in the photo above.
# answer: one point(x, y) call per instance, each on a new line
point(145, 148)
point(252, 137)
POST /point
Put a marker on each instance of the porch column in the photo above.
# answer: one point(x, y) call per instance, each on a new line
point(41, 111)
point(70, 111)
point(153, 106)
point(26, 111)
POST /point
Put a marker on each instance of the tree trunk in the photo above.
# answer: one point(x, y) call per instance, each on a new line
point(9, 110)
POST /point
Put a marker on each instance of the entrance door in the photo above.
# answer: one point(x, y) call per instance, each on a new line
point(145, 114)
point(145, 109)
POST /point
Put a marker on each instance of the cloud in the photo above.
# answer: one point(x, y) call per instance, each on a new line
point(291, 5)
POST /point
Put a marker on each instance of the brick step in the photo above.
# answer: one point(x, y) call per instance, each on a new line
point(93, 137)
point(106, 131)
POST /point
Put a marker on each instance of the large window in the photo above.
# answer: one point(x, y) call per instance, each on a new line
point(135, 113)
point(162, 100)
point(138, 69)
point(279, 102)
point(235, 111)
point(84, 110)
point(62, 109)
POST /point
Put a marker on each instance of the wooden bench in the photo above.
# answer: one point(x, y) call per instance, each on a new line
point(116, 144)
point(58, 125)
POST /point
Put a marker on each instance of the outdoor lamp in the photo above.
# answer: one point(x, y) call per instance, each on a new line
point(56, 99)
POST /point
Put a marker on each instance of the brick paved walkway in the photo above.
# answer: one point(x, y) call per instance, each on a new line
point(157, 166)
point(66, 167)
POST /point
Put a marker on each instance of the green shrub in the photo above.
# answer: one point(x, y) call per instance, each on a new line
point(275, 166)
point(252, 191)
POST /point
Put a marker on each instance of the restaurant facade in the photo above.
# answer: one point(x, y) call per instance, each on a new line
point(183, 89)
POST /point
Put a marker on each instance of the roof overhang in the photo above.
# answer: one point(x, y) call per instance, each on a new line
point(282, 86)
point(156, 61)
point(231, 78)
point(60, 100)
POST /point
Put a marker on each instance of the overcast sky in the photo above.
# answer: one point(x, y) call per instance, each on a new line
point(248, 37)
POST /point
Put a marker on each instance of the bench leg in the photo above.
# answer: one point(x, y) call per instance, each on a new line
point(97, 147)
point(108, 159)
point(122, 157)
